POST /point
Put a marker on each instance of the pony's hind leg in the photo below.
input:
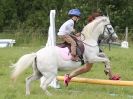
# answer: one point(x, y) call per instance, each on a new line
point(29, 80)
point(49, 76)
point(35, 76)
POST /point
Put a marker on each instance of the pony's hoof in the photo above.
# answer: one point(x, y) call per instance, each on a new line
point(115, 77)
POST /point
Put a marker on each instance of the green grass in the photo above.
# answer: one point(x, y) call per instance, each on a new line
point(25, 38)
point(121, 61)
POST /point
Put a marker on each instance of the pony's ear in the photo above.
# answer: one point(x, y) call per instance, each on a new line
point(107, 16)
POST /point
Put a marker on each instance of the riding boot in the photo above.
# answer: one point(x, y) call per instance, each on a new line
point(75, 58)
point(66, 79)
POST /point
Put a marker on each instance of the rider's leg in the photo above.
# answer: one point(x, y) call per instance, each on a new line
point(87, 67)
point(70, 40)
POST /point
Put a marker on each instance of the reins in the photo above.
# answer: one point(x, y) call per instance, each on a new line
point(83, 40)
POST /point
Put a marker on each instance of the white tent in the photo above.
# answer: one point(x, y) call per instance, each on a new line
point(6, 43)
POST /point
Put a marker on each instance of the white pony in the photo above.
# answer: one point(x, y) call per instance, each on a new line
point(48, 60)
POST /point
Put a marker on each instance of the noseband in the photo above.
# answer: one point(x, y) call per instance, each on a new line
point(109, 33)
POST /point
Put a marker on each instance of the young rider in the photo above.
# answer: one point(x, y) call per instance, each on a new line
point(67, 28)
point(87, 67)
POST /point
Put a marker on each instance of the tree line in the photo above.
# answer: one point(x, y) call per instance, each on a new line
point(34, 14)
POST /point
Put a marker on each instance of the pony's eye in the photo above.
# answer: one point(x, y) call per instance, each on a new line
point(110, 28)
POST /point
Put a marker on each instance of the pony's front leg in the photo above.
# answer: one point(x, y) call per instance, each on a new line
point(101, 58)
point(107, 69)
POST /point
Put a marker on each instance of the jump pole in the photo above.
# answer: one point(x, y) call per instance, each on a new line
point(99, 81)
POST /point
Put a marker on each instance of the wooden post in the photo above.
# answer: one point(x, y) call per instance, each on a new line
point(124, 44)
point(126, 37)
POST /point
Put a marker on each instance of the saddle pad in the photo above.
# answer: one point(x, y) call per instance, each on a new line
point(64, 53)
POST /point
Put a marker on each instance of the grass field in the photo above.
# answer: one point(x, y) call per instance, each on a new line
point(121, 61)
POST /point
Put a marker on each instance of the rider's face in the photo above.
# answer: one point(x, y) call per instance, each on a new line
point(76, 18)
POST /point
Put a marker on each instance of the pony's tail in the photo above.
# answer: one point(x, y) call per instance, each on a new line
point(23, 63)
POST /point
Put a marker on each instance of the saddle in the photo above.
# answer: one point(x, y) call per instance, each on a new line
point(79, 48)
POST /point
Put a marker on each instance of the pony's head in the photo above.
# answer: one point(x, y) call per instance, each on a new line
point(100, 26)
point(108, 31)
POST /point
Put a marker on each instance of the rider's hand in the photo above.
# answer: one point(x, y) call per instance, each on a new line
point(78, 34)
point(73, 30)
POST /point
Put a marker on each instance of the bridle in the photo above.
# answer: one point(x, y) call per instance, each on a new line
point(109, 33)
point(108, 29)
point(104, 30)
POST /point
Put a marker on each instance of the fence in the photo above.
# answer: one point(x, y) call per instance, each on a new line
point(25, 35)
point(122, 34)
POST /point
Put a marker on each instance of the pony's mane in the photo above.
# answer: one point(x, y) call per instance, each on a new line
point(88, 29)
